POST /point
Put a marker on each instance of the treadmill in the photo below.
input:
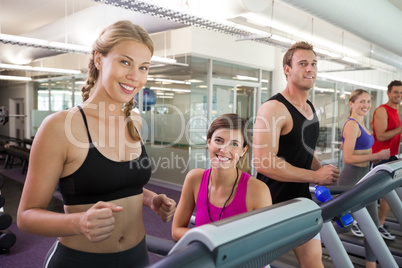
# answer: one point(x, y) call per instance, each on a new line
point(379, 182)
point(252, 239)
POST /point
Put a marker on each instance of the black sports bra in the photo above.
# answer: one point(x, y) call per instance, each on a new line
point(102, 179)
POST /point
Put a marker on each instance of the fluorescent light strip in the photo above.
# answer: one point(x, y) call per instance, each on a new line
point(347, 59)
point(55, 70)
point(323, 89)
point(172, 81)
point(242, 77)
point(71, 47)
point(161, 88)
point(38, 69)
point(34, 42)
point(164, 97)
point(163, 60)
point(22, 40)
point(195, 81)
point(181, 90)
point(282, 39)
point(265, 22)
point(15, 78)
point(321, 51)
point(65, 47)
point(353, 82)
point(171, 89)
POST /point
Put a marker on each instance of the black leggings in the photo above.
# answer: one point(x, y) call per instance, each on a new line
point(61, 256)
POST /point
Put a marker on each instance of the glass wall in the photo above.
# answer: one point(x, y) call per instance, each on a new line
point(178, 120)
point(266, 86)
point(54, 95)
point(331, 100)
point(326, 105)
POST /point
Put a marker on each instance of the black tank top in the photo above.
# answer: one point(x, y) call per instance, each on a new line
point(102, 179)
point(297, 148)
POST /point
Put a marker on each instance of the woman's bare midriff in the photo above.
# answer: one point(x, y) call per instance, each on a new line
point(362, 152)
point(128, 232)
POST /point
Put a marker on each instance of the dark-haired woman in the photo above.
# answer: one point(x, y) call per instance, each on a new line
point(223, 190)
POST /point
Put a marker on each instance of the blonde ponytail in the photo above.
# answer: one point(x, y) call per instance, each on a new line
point(128, 107)
point(92, 76)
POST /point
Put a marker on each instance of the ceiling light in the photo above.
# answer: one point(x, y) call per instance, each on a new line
point(265, 37)
point(80, 82)
point(172, 81)
point(38, 69)
point(181, 90)
point(257, 19)
point(71, 47)
point(40, 43)
point(21, 40)
point(348, 81)
point(320, 51)
point(334, 55)
point(161, 88)
point(326, 52)
point(281, 39)
point(55, 70)
point(322, 90)
point(349, 60)
point(171, 89)
point(163, 60)
point(164, 97)
point(242, 77)
point(15, 78)
point(183, 16)
point(195, 81)
point(65, 47)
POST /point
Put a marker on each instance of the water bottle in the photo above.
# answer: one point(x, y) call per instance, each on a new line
point(323, 195)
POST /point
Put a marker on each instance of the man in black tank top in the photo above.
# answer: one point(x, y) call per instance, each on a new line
point(285, 136)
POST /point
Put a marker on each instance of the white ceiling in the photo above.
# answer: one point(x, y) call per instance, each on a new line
point(368, 28)
point(376, 21)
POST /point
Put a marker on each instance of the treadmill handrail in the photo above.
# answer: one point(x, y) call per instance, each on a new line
point(377, 183)
point(213, 234)
point(268, 233)
point(194, 255)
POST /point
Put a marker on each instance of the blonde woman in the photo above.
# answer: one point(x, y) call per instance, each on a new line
point(356, 142)
point(95, 153)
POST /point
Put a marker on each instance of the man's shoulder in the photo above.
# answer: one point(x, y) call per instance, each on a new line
point(273, 106)
point(382, 109)
point(382, 106)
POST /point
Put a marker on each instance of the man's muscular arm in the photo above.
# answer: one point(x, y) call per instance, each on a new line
point(273, 119)
point(380, 126)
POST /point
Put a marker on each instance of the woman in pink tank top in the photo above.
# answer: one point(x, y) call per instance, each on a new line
point(223, 190)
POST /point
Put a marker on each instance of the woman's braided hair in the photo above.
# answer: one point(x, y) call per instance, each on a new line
point(114, 34)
